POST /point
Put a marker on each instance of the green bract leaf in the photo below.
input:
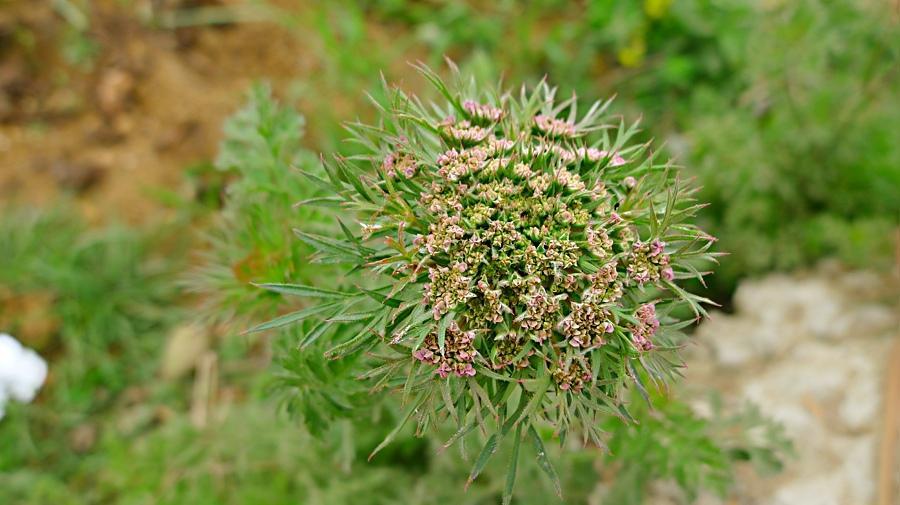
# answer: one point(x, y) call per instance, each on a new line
point(543, 461)
point(303, 291)
point(293, 317)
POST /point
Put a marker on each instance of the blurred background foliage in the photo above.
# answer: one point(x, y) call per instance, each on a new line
point(786, 113)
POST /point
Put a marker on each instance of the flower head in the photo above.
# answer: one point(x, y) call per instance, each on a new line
point(515, 251)
point(482, 113)
point(398, 164)
point(645, 328)
point(554, 127)
point(457, 355)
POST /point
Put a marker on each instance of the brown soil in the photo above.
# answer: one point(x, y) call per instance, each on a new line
point(150, 104)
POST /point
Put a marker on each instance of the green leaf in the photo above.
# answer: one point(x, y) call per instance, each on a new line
point(447, 396)
point(314, 334)
point(490, 447)
point(353, 316)
point(442, 330)
point(332, 175)
point(494, 375)
point(351, 345)
point(318, 181)
point(351, 175)
point(535, 400)
point(327, 245)
point(300, 290)
point(693, 301)
point(639, 383)
point(543, 461)
point(393, 434)
point(513, 463)
point(292, 317)
point(439, 85)
point(350, 236)
point(460, 433)
point(320, 201)
point(382, 299)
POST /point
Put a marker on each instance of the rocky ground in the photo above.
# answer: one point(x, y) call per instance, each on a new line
point(812, 351)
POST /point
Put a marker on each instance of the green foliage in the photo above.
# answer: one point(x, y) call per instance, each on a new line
point(251, 457)
point(672, 443)
point(811, 171)
point(251, 242)
point(317, 390)
point(108, 298)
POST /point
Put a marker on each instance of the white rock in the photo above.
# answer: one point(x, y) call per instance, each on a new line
point(816, 490)
point(872, 320)
point(799, 423)
point(810, 352)
point(707, 498)
point(736, 341)
point(776, 300)
point(859, 470)
point(862, 399)
point(668, 492)
point(815, 372)
point(750, 298)
point(862, 282)
point(814, 368)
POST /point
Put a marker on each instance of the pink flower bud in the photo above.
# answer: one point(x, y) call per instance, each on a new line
point(423, 355)
point(668, 274)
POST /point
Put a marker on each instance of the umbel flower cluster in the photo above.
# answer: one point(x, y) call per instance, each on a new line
point(526, 260)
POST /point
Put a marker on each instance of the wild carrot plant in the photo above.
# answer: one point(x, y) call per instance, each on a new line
point(518, 264)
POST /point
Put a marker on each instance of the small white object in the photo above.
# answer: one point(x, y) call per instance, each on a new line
point(22, 372)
